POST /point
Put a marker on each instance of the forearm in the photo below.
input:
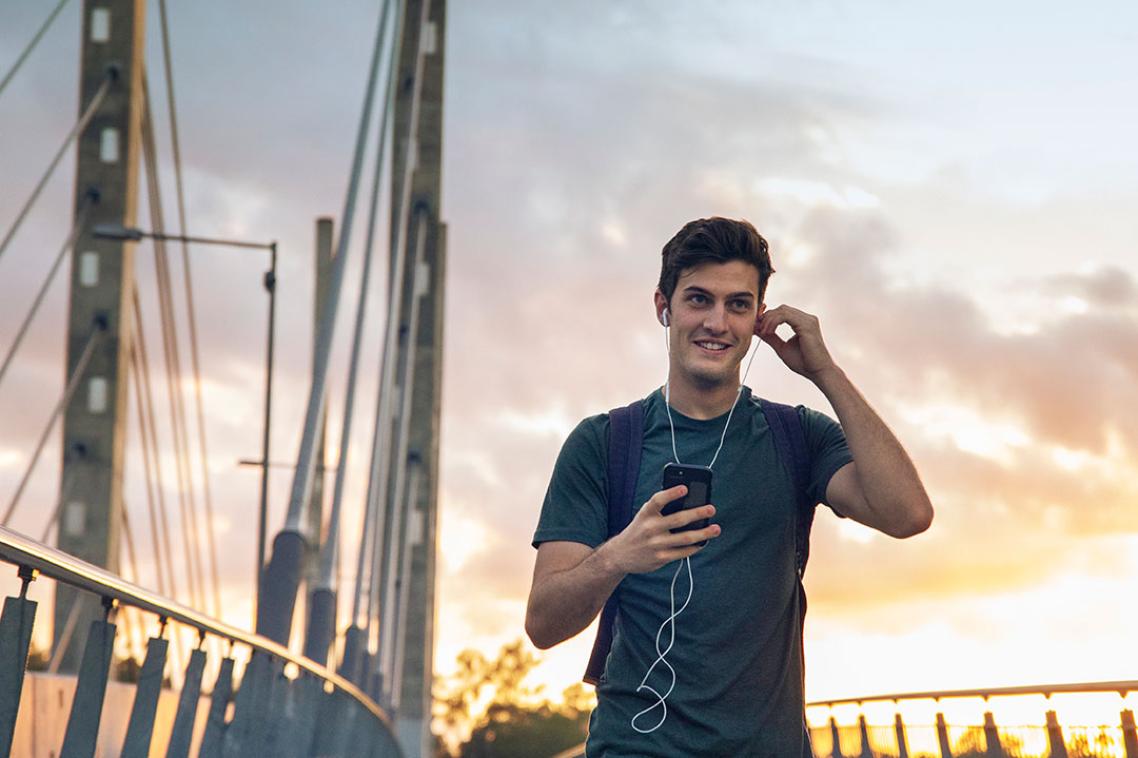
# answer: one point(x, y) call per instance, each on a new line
point(894, 496)
point(565, 602)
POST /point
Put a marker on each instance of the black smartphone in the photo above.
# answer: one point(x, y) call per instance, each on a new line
point(698, 481)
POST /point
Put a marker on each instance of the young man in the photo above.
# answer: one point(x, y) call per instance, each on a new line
point(738, 687)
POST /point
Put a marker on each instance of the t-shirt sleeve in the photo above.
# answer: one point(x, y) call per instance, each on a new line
point(576, 503)
point(828, 450)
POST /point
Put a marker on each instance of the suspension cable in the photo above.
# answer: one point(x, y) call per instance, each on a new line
point(314, 413)
point(330, 549)
point(195, 361)
point(142, 380)
point(399, 508)
point(186, 493)
point(160, 569)
point(399, 245)
point(80, 125)
point(68, 243)
point(81, 365)
point(371, 503)
point(31, 45)
point(133, 632)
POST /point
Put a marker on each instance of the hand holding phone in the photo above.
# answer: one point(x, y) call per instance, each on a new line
point(698, 481)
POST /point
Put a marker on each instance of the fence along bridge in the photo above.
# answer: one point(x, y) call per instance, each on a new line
point(356, 686)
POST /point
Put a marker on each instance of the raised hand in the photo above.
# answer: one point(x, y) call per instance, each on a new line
point(805, 352)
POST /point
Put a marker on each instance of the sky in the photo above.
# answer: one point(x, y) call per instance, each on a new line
point(950, 189)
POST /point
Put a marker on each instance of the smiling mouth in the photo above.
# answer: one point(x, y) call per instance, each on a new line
point(714, 347)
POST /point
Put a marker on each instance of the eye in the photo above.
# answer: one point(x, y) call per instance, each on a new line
point(697, 299)
point(740, 306)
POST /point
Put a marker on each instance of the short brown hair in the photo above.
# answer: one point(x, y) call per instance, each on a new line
point(714, 240)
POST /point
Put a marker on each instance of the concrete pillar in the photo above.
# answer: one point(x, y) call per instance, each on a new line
point(102, 279)
point(413, 717)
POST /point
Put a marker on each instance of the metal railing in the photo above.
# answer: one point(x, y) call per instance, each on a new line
point(309, 711)
point(863, 739)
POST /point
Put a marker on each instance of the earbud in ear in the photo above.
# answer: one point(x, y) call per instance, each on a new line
point(664, 318)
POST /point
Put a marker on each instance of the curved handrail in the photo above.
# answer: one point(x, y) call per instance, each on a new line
point(1047, 690)
point(21, 550)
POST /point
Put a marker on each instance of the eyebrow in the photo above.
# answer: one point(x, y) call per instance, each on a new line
point(693, 288)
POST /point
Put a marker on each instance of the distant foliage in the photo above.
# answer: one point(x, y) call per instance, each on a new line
point(485, 709)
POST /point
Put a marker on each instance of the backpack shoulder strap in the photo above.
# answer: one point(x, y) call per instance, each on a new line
point(625, 440)
point(790, 444)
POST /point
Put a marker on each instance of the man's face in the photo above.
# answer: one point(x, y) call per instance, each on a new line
point(713, 312)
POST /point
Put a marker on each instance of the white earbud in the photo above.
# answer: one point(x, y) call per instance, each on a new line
point(664, 317)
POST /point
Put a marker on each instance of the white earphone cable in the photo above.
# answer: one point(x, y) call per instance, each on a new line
point(661, 655)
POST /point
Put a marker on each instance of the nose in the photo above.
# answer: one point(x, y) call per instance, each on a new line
point(716, 320)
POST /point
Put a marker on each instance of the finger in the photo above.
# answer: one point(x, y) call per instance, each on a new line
point(679, 553)
point(688, 516)
point(685, 539)
point(663, 497)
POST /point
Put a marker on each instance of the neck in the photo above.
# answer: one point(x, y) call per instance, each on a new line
point(700, 401)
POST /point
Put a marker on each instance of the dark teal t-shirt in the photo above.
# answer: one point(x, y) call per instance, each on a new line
point(738, 688)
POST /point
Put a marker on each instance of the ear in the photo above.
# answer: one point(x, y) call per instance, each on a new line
point(661, 303)
point(759, 313)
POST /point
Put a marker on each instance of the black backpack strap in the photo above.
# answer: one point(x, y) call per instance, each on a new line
point(790, 444)
point(626, 436)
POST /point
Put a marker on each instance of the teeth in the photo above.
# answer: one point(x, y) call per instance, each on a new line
point(711, 345)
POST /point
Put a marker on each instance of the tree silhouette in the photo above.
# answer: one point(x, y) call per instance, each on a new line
point(486, 710)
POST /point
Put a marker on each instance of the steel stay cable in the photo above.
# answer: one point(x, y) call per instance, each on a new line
point(330, 549)
point(128, 541)
point(314, 412)
point(400, 507)
point(80, 366)
point(370, 533)
point(68, 243)
point(148, 473)
point(142, 370)
point(387, 583)
point(80, 125)
point(186, 492)
point(191, 315)
point(140, 365)
point(31, 45)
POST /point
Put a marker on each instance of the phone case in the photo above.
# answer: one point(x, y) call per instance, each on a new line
point(698, 481)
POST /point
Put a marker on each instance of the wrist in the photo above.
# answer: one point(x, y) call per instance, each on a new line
point(830, 379)
point(607, 557)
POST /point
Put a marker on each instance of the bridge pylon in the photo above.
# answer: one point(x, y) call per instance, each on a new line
point(102, 282)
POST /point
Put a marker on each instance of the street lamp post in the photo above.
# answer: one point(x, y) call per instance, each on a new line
point(118, 232)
